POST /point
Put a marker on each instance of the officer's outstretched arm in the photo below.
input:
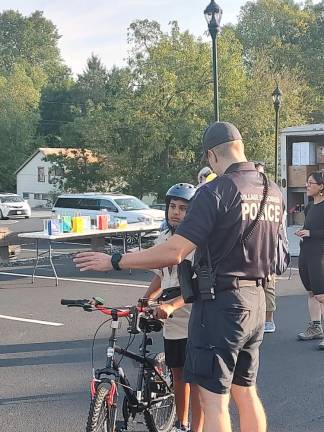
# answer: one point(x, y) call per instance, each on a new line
point(171, 252)
point(165, 254)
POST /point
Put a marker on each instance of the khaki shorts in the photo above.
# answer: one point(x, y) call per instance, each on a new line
point(270, 294)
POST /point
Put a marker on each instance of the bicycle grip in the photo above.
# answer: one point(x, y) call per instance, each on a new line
point(66, 302)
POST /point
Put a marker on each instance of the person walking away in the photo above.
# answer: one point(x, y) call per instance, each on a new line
point(175, 330)
point(311, 258)
point(270, 283)
point(228, 314)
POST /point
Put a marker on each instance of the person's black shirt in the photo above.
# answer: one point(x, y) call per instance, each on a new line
point(314, 222)
point(220, 212)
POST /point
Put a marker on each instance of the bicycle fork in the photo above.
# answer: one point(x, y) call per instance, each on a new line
point(109, 370)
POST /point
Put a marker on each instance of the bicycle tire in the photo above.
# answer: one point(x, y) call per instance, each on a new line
point(102, 416)
point(161, 417)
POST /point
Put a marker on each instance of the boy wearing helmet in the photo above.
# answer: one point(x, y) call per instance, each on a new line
point(175, 330)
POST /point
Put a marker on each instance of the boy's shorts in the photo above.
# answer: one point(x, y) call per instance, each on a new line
point(175, 352)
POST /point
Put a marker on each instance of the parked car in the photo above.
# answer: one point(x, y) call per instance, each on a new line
point(116, 205)
point(161, 206)
point(13, 205)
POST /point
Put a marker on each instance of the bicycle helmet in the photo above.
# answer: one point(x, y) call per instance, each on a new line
point(203, 174)
point(184, 191)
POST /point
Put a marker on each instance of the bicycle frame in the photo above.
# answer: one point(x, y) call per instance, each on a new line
point(115, 374)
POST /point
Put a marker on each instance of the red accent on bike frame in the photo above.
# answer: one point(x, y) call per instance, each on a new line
point(120, 313)
point(93, 389)
point(111, 394)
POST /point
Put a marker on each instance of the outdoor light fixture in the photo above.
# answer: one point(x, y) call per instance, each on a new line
point(213, 15)
point(276, 97)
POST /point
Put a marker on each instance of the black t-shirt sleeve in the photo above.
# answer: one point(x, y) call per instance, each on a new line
point(317, 233)
point(201, 217)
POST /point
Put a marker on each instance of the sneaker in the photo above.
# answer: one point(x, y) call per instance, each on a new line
point(178, 427)
point(269, 327)
point(313, 331)
point(321, 345)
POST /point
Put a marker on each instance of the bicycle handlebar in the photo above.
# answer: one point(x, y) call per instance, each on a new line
point(92, 305)
point(81, 302)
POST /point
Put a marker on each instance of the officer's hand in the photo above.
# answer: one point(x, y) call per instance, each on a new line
point(97, 261)
point(303, 233)
point(163, 311)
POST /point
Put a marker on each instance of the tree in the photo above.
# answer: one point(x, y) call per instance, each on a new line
point(32, 41)
point(257, 117)
point(291, 36)
point(90, 88)
point(81, 171)
point(19, 98)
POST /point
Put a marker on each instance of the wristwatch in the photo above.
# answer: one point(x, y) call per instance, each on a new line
point(115, 259)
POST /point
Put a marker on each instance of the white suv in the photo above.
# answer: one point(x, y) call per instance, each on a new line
point(12, 205)
point(118, 205)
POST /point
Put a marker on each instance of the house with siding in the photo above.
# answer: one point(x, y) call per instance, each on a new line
point(35, 177)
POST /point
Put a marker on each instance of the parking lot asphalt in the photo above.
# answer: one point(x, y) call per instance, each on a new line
point(45, 366)
point(45, 369)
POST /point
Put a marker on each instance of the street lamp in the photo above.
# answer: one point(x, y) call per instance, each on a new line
point(276, 97)
point(213, 15)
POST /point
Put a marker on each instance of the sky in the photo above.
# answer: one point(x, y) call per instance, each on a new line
point(100, 26)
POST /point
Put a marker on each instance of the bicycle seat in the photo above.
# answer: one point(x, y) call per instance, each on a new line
point(149, 325)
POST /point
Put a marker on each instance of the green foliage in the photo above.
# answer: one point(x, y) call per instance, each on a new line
point(144, 121)
point(81, 171)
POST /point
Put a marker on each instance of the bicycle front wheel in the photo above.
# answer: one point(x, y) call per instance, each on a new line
point(103, 409)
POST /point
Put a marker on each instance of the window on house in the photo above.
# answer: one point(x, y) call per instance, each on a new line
point(41, 174)
point(37, 196)
point(53, 173)
point(25, 195)
point(45, 197)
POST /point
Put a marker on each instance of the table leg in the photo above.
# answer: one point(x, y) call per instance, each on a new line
point(51, 261)
point(124, 243)
point(125, 249)
point(36, 263)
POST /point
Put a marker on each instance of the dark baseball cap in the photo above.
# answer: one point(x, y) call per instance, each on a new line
point(219, 133)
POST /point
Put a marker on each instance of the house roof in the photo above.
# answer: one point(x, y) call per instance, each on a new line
point(69, 152)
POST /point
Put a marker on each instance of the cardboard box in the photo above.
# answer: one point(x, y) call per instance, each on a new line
point(320, 154)
point(304, 153)
point(298, 175)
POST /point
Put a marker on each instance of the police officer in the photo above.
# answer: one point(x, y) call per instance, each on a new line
point(226, 330)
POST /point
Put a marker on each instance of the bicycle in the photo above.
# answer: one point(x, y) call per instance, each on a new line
point(153, 395)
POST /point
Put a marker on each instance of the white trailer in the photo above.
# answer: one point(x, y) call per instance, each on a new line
point(294, 169)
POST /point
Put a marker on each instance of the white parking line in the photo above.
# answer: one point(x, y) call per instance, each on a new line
point(77, 280)
point(8, 317)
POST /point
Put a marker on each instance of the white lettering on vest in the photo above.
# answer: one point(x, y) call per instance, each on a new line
point(271, 211)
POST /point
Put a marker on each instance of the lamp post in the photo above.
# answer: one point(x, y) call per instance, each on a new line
point(213, 15)
point(276, 97)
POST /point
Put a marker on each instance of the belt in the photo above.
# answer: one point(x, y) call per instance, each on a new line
point(249, 282)
point(234, 282)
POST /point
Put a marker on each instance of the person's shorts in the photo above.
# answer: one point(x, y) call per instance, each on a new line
point(175, 352)
point(224, 339)
point(311, 268)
